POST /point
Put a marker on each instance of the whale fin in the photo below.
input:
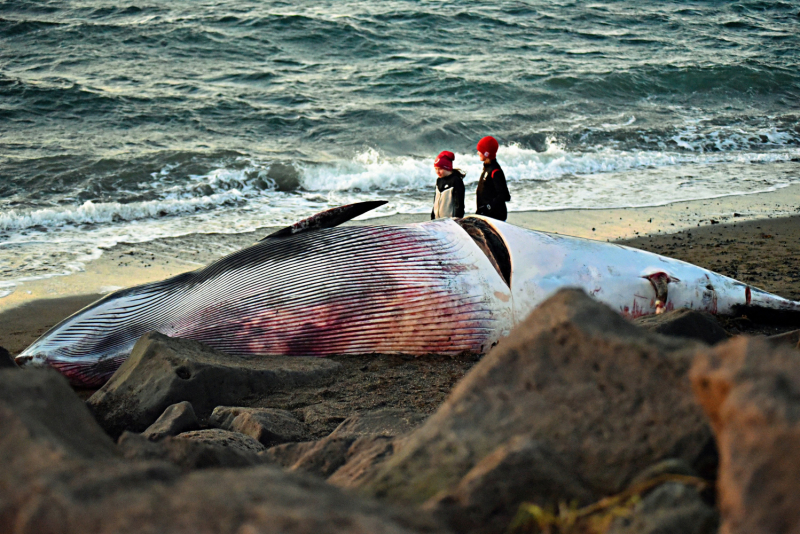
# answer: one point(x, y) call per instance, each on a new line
point(328, 218)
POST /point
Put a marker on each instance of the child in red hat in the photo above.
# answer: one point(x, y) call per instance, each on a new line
point(449, 198)
point(492, 193)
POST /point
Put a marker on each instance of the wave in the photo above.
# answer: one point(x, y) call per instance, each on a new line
point(113, 212)
point(260, 185)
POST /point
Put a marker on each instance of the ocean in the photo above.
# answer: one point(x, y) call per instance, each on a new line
point(132, 121)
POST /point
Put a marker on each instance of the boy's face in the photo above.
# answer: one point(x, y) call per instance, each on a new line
point(441, 173)
point(483, 158)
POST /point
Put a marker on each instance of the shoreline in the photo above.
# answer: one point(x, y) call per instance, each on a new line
point(129, 264)
point(753, 246)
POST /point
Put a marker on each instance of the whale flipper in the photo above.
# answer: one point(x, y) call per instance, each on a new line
point(328, 218)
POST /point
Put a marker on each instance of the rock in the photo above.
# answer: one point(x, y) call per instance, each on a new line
point(269, 426)
point(606, 397)
point(363, 457)
point(686, 323)
point(342, 458)
point(671, 507)
point(223, 438)
point(324, 457)
point(750, 389)
point(42, 412)
point(6, 360)
point(177, 418)
point(388, 422)
point(162, 371)
point(328, 414)
point(60, 473)
point(791, 339)
point(186, 453)
point(287, 454)
point(489, 495)
point(145, 497)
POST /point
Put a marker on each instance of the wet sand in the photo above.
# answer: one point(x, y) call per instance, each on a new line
point(724, 235)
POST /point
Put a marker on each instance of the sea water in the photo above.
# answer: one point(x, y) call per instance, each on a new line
point(130, 121)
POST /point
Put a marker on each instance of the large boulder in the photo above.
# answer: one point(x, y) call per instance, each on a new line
point(604, 396)
point(683, 322)
point(162, 371)
point(60, 473)
point(144, 497)
point(43, 412)
point(486, 499)
point(750, 389)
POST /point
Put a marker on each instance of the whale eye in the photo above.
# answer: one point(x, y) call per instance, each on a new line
point(183, 373)
point(490, 243)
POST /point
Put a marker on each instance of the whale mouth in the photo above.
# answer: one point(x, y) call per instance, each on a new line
point(491, 244)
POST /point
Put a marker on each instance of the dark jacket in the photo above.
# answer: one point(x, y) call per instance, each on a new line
point(449, 196)
point(492, 193)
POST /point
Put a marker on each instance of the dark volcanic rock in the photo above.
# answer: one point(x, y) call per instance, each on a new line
point(605, 396)
point(670, 508)
point(60, 474)
point(388, 422)
point(223, 438)
point(162, 371)
point(683, 322)
point(750, 389)
point(6, 360)
point(185, 453)
point(487, 498)
point(175, 419)
point(269, 426)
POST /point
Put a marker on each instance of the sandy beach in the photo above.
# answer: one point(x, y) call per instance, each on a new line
point(741, 236)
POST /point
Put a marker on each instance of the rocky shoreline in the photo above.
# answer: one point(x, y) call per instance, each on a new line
point(575, 409)
point(579, 421)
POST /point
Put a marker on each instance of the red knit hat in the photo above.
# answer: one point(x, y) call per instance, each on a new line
point(488, 146)
point(445, 160)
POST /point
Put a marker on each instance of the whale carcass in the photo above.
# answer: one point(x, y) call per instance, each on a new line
point(316, 288)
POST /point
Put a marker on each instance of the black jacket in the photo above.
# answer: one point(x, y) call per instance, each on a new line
point(454, 181)
point(492, 193)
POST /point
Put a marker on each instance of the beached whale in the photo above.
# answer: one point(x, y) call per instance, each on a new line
point(444, 286)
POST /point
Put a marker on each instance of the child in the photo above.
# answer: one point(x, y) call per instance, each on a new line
point(492, 193)
point(449, 198)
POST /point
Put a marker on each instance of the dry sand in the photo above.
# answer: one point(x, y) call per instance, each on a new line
point(737, 236)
